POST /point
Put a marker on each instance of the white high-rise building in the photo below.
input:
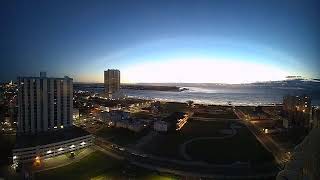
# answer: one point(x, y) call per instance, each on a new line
point(44, 103)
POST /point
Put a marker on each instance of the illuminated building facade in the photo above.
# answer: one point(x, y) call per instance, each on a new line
point(297, 111)
point(44, 103)
point(50, 144)
point(45, 113)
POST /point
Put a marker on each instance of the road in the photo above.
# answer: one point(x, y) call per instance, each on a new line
point(280, 155)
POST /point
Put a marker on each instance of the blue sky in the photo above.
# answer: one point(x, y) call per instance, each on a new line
point(83, 38)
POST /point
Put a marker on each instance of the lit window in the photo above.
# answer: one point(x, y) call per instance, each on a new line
point(72, 146)
point(83, 143)
point(48, 152)
point(14, 157)
point(61, 126)
point(60, 149)
point(55, 127)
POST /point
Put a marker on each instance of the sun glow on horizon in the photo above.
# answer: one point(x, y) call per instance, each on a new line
point(201, 71)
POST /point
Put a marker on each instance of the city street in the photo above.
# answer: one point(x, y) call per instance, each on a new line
point(280, 155)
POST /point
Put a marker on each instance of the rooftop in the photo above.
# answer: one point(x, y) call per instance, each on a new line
point(24, 141)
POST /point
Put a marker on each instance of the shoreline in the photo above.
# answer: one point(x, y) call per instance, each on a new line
point(206, 104)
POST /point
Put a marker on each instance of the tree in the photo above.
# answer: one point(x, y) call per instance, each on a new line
point(190, 103)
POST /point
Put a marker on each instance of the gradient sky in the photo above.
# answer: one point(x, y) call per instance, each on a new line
point(161, 41)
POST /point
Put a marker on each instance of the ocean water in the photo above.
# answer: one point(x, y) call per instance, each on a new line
point(222, 95)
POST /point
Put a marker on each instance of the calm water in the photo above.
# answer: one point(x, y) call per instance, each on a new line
point(222, 95)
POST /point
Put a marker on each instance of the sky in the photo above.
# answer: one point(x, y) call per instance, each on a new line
point(161, 41)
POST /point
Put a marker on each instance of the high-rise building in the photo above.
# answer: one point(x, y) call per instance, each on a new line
point(297, 111)
point(44, 103)
point(111, 81)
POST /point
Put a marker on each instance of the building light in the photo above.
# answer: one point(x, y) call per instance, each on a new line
point(83, 143)
point(14, 157)
point(48, 152)
point(72, 146)
point(60, 149)
point(61, 126)
point(37, 160)
point(55, 127)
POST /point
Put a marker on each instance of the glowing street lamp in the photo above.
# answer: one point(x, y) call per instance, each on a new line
point(37, 160)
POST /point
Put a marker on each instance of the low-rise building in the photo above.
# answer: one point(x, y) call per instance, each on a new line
point(117, 115)
point(176, 120)
point(160, 126)
point(136, 126)
point(114, 116)
point(75, 113)
point(316, 117)
point(31, 147)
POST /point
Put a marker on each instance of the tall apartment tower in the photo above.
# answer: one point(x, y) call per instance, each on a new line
point(44, 103)
point(297, 110)
point(111, 81)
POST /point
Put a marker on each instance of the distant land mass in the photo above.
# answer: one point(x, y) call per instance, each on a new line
point(153, 87)
point(313, 84)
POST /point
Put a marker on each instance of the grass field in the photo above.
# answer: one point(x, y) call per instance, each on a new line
point(224, 115)
point(120, 136)
point(168, 144)
point(241, 147)
point(171, 107)
point(142, 115)
point(6, 145)
point(100, 167)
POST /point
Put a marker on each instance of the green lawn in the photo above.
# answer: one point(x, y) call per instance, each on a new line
point(100, 167)
point(241, 147)
point(171, 107)
point(142, 115)
point(222, 115)
point(6, 145)
point(168, 144)
point(120, 136)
